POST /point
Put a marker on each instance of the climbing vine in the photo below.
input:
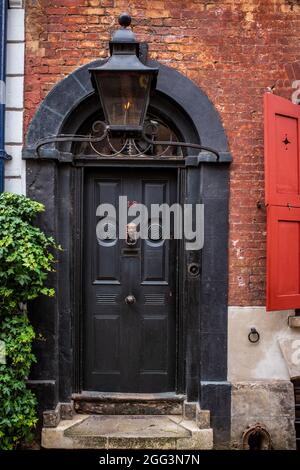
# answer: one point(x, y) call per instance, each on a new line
point(26, 259)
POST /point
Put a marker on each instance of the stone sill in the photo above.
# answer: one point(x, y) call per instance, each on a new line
point(294, 321)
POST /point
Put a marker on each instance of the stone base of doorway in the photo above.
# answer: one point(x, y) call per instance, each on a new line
point(127, 432)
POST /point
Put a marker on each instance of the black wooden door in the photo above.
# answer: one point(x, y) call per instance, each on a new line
point(129, 347)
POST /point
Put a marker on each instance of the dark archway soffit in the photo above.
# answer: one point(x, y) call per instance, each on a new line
point(66, 96)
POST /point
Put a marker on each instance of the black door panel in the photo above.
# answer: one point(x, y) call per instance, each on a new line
point(129, 347)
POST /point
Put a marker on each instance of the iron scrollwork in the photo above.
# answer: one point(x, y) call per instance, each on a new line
point(107, 145)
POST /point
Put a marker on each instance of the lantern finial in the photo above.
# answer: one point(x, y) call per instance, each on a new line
point(124, 20)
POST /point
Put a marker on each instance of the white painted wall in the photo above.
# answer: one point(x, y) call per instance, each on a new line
point(263, 360)
point(15, 169)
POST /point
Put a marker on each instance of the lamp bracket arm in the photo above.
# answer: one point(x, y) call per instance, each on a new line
point(68, 138)
point(181, 144)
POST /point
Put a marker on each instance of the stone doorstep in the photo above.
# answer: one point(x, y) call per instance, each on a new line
point(127, 432)
point(134, 405)
point(128, 404)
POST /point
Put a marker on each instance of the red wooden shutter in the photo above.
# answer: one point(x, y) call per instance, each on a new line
point(282, 165)
point(283, 258)
point(282, 196)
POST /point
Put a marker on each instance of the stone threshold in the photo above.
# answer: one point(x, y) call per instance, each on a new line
point(116, 396)
point(128, 403)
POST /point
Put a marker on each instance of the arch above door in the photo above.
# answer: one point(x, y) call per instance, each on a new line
point(60, 111)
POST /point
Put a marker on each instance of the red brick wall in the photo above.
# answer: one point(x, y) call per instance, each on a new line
point(232, 49)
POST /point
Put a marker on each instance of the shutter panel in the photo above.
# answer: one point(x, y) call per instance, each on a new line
point(283, 258)
point(282, 196)
point(282, 138)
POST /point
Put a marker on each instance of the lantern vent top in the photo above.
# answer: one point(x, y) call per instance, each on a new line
point(124, 34)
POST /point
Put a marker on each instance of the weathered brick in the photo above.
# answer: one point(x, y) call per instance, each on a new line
point(233, 50)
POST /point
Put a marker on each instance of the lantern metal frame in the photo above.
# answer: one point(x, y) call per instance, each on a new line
point(124, 62)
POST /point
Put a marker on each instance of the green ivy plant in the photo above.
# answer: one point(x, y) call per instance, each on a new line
point(26, 259)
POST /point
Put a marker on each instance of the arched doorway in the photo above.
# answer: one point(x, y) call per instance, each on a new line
point(65, 180)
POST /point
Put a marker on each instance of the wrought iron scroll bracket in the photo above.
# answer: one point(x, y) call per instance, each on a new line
point(129, 146)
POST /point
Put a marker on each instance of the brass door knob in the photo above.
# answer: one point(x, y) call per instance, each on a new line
point(130, 299)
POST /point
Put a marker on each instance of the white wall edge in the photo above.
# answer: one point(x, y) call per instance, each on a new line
point(15, 170)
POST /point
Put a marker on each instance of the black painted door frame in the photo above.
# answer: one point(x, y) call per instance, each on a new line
point(78, 336)
point(56, 181)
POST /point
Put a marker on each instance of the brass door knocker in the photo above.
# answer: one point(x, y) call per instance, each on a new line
point(131, 238)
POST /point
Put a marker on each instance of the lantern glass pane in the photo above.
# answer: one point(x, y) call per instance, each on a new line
point(125, 97)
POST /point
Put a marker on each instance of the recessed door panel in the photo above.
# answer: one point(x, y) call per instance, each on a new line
point(106, 255)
